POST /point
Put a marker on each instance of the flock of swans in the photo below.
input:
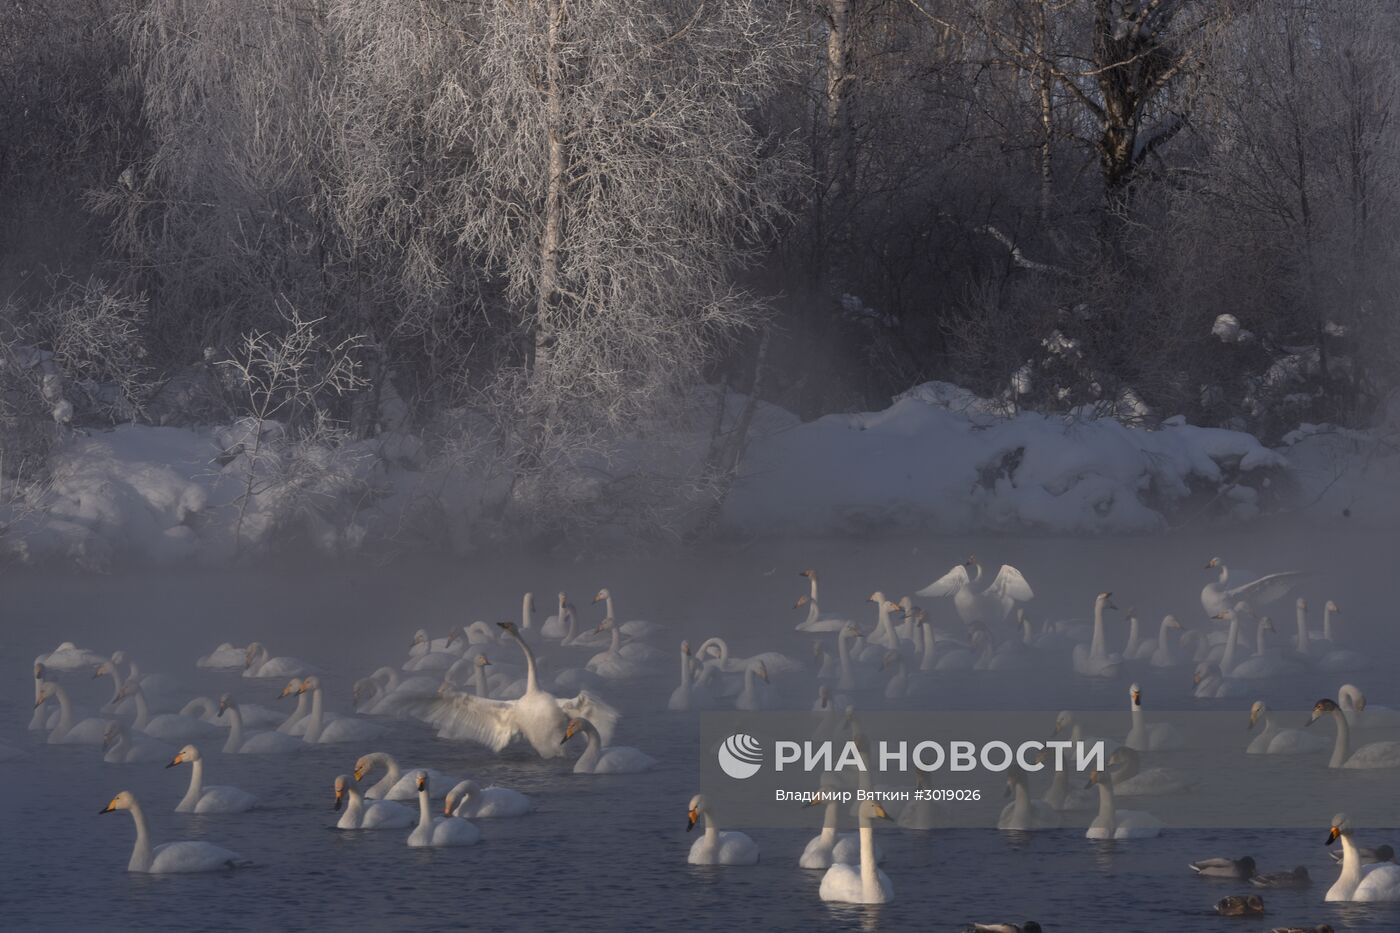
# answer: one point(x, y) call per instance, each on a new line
point(486, 684)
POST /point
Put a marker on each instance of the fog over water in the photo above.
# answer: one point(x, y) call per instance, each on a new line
point(609, 851)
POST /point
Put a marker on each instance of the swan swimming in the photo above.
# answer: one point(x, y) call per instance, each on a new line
point(1129, 780)
point(1165, 654)
point(538, 716)
point(600, 759)
point(1377, 882)
point(320, 732)
point(1276, 741)
point(89, 731)
point(120, 747)
point(715, 847)
point(170, 857)
point(1374, 755)
point(226, 657)
point(70, 658)
point(254, 743)
point(173, 727)
point(865, 883)
point(992, 604)
point(1112, 823)
point(219, 798)
point(439, 831)
point(469, 799)
point(367, 814)
point(1150, 737)
point(395, 785)
point(1094, 659)
point(1023, 814)
point(1220, 595)
point(830, 846)
point(258, 663)
point(633, 628)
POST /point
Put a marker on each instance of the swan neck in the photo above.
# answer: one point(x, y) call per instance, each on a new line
point(1133, 635)
point(1327, 622)
point(1303, 638)
point(685, 670)
point(1342, 748)
point(479, 677)
point(316, 723)
point(235, 731)
point(425, 813)
point(812, 612)
point(1022, 809)
point(525, 613)
point(869, 880)
point(65, 710)
point(196, 786)
point(141, 852)
point(1227, 660)
point(1351, 861)
point(1096, 649)
point(1162, 638)
point(116, 682)
point(616, 646)
point(1108, 812)
point(531, 678)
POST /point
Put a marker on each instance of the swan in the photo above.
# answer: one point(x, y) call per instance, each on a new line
point(752, 697)
point(1237, 869)
point(89, 731)
point(469, 799)
point(1361, 713)
point(170, 857)
point(612, 664)
point(367, 814)
point(814, 624)
point(1377, 882)
point(921, 813)
point(776, 662)
point(257, 663)
point(1240, 905)
point(538, 716)
point(884, 636)
point(120, 747)
point(224, 658)
point(957, 657)
point(155, 685)
point(1338, 660)
point(1010, 655)
point(424, 644)
point(1374, 755)
point(1219, 596)
point(42, 718)
point(1210, 683)
point(439, 831)
point(70, 658)
point(1150, 737)
point(1265, 664)
point(1276, 741)
point(320, 732)
point(853, 675)
point(1138, 648)
point(1112, 823)
point(254, 743)
point(554, 626)
point(173, 727)
point(689, 695)
point(715, 847)
point(635, 628)
point(395, 785)
point(1129, 780)
point(865, 883)
point(1093, 659)
point(897, 688)
point(1165, 654)
point(826, 664)
point(200, 799)
point(830, 846)
point(1297, 878)
point(1023, 814)
point(598, 759)
point(1030, 926)
point(992, 604)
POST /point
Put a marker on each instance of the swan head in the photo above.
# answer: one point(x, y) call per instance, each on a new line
point(809, 574)
point(251, 653)
point(606, 625)
point(296, 683)
point(113, 734)
point(870, 810)
point(802, 600)
point(47, 690)
point(877, 597)
point(362, 765)
point(574, 727)
point(920, 617)
point(1136, 693)
point(509, 627)
point(1341, 826)
point(342, 787)
point(101, 670)
point(892, 606)
point(463, 792)
point(685, 648)
point(761, 670)
point(1256, 710)
point(227, 702)
point(1332, 608)
point(697, 809)
point(1213, 563)
point(420, 637)
point(906, 604)
point(1302, 604)
point(187, 754)
point(1063, 722)
point(824, 696)
point(123, 801)
point(1170, 621)
point(118, 656)
point(128, 689)
point(1102, 778)
point(850, 631)
point(1266, 624)
point(1104, 601)
point(482, 660)
point(309, 684)
point(1322, 707)
point(603, 595)
point(422, 781)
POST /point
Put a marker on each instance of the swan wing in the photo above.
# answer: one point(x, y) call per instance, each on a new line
point(1266, 589)
point(1009, 582)
point(950, 582)
point(591, 707)
point(463, 716)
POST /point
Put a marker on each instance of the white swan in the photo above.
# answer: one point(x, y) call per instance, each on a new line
point(1220, 595)
point(689, 695)
point(1210, 683)
point(718, 649)
point(866, 883)
point(69, 657)
point(1374, 755)
point(172, 727)
point(954, 656)
point(633, 628)
point(219, 798)
point(170, 857)
point(469, 799)
point(612, 664)
point(258, 663)
point(555, 626)
point(884, 636)
point(1112, 823)
point(1265, 662)
point(715, 847)
point(120, 747)
point(754, 697)
point(395, 784)
point(89, 731)
point(439, 831)
point(1023, 814)
point(1094, 659)
point(1150, 737)
point(1130, 780)
point(1375, 883)
point(1338, 660)
point(367, 814)
point(226, 657)
point(253, 743)
point(600, 759)
point(1165, 654)
point(897, 687)
point(992, 604)
point(853, 674)
point(538, 716)
point(830, 846)
point(346, 729)
point(1278, 741)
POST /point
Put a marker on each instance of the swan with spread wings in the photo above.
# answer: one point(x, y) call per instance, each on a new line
point(991, 604)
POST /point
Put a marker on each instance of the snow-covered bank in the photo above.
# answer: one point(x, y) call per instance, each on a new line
point(939, 461)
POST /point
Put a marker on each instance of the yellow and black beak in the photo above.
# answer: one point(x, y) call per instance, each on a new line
point(178, 759)
point(881, 813)
point(359, 773)
point(112, 806)
point(1332, 835)
point(339, 798)
point(692, 817)
point(422, 784)
point(1137, 697)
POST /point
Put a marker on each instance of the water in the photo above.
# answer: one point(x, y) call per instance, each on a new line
point(610, 851)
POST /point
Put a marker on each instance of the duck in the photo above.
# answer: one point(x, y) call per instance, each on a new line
point(600, 759)
point(1297, 878)
point(1235, 869)
point(170, 857)
point(716, 847)
point(1381, 853)
point(221, 798)
point(1378, 882)
point(1240, 905)
point(439, 831)
point(367, 814)
point(469, 799)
